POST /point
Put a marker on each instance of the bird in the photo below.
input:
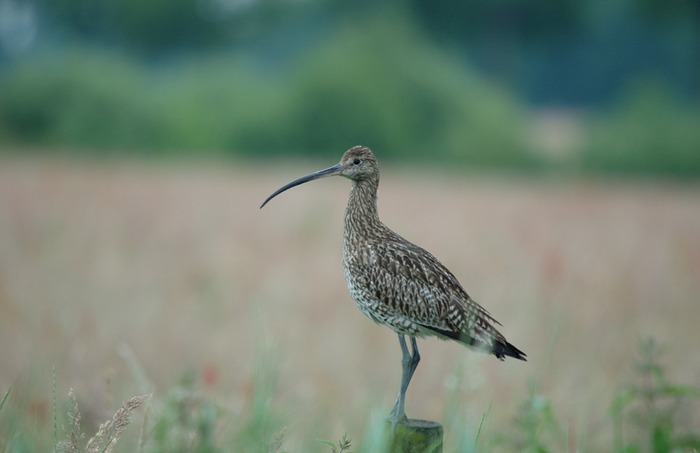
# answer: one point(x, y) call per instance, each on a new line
point(399, 284)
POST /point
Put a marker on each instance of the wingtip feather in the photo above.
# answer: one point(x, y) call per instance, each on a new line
point(505, 349)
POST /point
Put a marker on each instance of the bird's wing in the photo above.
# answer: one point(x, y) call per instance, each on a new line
point(413, 288)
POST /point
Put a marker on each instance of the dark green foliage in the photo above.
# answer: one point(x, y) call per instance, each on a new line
point(648, 132)
point(383, 86)
point(143, 26)
point(76, 100)
point(379, 85)
point(104, 104)
point(552, 52)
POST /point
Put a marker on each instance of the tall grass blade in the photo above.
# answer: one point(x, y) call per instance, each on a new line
point(481, 425)
point(137, 370)
point(4, 398)
point(53, 398)
point(108, 434)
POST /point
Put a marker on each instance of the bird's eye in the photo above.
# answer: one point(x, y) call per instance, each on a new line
point(356, 162)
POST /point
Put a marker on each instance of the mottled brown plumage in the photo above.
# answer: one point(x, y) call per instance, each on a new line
point(398, 284)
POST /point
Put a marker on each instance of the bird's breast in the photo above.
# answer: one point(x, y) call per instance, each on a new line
point(358, 265)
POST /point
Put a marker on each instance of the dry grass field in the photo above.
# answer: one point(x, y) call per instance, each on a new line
point(124, 276)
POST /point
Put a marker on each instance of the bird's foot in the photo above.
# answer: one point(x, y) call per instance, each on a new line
point(395, 418)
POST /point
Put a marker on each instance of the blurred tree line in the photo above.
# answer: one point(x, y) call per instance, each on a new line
point(455, 80)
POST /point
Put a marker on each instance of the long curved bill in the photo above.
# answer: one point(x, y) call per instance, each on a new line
point(330, 171)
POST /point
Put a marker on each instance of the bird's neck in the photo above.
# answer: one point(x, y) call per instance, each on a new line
point(361, 212)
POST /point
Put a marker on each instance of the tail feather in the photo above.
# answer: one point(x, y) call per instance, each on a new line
point(500, 347)
point(503, 349)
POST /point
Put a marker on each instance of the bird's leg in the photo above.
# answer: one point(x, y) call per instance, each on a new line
point(409, 363)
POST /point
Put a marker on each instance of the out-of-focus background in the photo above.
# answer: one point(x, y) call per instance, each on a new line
point(547, 152)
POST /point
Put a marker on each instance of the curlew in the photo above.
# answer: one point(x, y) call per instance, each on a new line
point(398, 284)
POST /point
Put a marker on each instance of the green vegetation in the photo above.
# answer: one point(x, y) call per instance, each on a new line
point(382, 85)
point(648, 132)
point(106, 437)
point(535, 427)
point(650, 413)
point(87, 101)
point(454, 83)
point(343, 445)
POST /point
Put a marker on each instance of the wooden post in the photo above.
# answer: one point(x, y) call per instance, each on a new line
point(416, 436)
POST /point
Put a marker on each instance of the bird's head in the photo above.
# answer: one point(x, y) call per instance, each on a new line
point(358, 163)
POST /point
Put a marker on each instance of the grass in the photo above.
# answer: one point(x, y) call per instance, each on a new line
point(343, 445)
point(656, 408)
point(106, 437)
point(649, 414)
point(132, 279)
